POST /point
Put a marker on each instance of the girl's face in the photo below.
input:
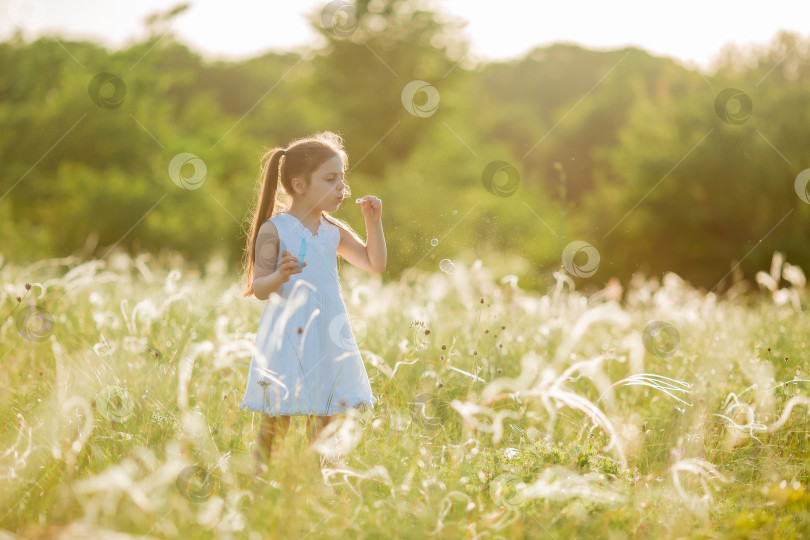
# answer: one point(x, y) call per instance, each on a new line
point(326, 189)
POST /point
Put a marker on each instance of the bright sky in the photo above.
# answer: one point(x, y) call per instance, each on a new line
point(691, 31)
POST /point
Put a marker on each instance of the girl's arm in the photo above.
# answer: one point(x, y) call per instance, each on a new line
point(371, 256)
point(266, 278)
point(375, 245)
point(263, 286)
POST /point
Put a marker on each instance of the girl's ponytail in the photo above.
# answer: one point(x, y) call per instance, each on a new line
point(267, 202)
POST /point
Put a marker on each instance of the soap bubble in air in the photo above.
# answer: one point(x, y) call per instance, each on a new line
point(446, 266)
point(434, 242)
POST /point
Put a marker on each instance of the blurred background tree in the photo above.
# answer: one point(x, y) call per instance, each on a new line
point(653, 177)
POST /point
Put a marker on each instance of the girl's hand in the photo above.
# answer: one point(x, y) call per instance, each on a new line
point(288, 265)
point(371, 207)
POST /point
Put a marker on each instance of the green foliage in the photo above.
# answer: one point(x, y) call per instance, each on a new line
point(653, 178)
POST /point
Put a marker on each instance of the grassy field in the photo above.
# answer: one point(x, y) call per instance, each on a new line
point(656, 412)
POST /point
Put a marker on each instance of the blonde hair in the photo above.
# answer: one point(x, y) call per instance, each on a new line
point(301, 158)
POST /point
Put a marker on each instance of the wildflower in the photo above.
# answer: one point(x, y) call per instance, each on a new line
point(27, 286)
point(300, 330)
point(19, 299)
point(444, 347)
point(482, 300)
point(427, 331)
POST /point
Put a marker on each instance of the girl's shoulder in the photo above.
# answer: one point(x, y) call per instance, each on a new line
point(276, 219)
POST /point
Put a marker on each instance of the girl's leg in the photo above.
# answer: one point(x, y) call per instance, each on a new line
point(271, 428)
point(315, 425)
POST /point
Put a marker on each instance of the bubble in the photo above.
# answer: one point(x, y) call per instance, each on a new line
point(447, 266)
point(434, 242)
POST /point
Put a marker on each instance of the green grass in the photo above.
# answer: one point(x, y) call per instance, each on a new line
point(524, 415)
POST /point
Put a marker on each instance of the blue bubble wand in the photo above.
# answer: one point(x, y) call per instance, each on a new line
point(302, 251)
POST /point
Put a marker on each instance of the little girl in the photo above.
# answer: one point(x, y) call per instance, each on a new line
point(304, 362)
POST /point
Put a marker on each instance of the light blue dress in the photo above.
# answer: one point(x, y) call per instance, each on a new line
point(306, 360)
